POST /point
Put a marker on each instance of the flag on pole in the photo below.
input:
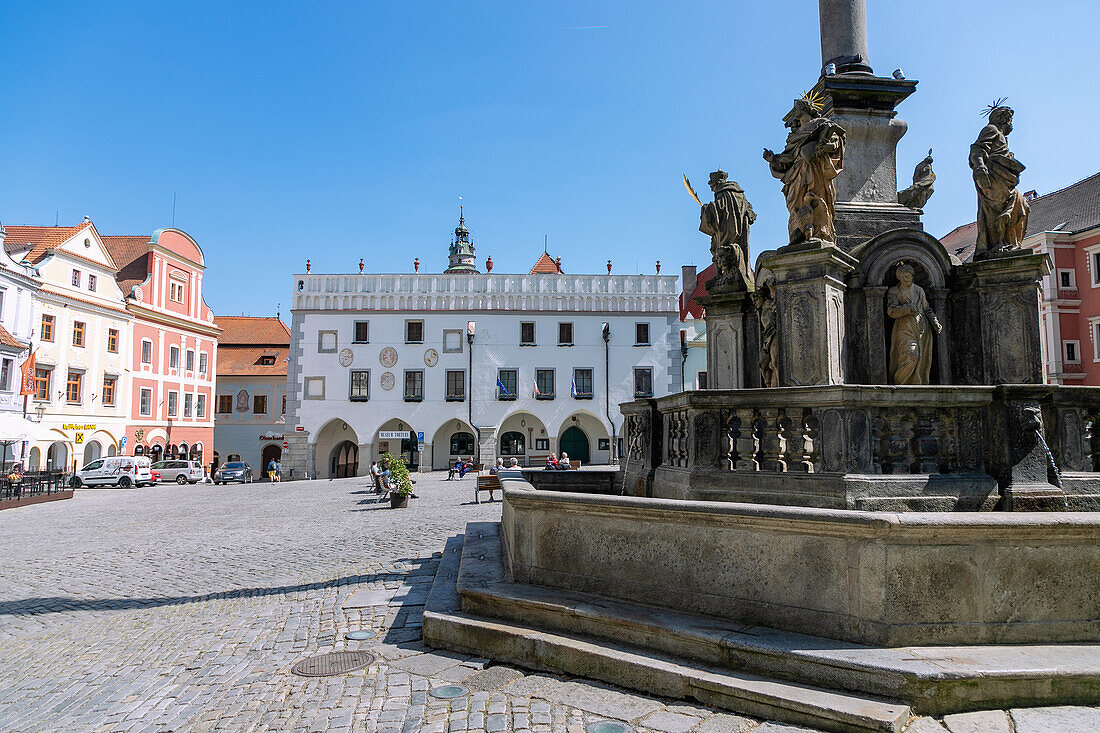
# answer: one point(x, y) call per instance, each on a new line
point(503, 390)
point(27, 374)
point(537, 393)
point(573, 388)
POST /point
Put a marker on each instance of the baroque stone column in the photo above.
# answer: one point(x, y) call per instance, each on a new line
point(810, 288)
point(733, 340)
point(997, 305)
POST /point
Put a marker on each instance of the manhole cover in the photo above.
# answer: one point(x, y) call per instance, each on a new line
point(360, 635)
point(447, 692)
point(326, 665)
point(607, 726)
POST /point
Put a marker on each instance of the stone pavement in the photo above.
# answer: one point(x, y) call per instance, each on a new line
point(183, 609)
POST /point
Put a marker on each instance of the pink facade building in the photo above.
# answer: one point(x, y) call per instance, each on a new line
point(1064, 224)
point(173, 349)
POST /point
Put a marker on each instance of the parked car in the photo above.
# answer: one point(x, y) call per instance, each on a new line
point(182, 472)
point(121, 471)
point(155, 474)
point(233, 471)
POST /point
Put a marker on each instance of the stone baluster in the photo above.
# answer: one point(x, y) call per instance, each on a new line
point(727, 450)
point(899, 428)
point(747, 445)
point(924, 444)
point(798, 448)
point(813, 441)
point(880, 443)
point(945, 431)
point(772, 445)
point(1089, 439)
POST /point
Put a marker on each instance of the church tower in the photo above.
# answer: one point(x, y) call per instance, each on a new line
point(462, 251)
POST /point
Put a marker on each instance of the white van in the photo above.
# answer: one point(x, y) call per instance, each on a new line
point(121, 471)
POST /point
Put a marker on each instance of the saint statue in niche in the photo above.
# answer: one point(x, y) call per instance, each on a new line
point(911, 338)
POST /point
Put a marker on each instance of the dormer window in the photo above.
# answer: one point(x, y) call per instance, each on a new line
point(76, 278)
point(267, 360)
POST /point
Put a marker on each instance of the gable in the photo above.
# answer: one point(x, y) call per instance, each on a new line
point(179, 243)
point(86, 245)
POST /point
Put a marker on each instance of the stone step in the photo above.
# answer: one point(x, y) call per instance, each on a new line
point(445, 625)
point(933, 680)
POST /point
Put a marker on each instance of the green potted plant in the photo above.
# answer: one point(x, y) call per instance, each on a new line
point(399, 477)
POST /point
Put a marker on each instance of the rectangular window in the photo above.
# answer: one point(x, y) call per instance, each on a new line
point(452, 342)
point(2, 294)
point(202, 362)
point(112, 340)
point(109, 384)
point(189, 360)
point(544, 384)
point(565, 334)
point(283, 411)
point(641, 334)
point(506, 384)
point(414, 385)
point(5, 375)
point(1066, 279)
point(188, 404)
point(643, 382)
point(73, 387)
point(582, 384)
point(225, 404)
point(315, 388)
point(456, 385)
point(360, 385)
point(527, 334)
point(76, 278)
point(175, 291)
point(78, 333)
point(173, 403)
point(145, 402)
point(91, 283)
point(200, 405)
point(1072, 350)
point(362, 332)
point(326, 342)
point(42, 384)
point(542, 444)
point(702, 380)
point(173, 357)
point(259, 404)
point(146, 352)
point(414, 332)
point(1095, 269)
point(47, 328)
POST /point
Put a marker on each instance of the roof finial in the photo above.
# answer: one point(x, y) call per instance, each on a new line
point(544, 239)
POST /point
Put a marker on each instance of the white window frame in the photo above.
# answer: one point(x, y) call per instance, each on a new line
point(173, 411)
point(91, 282)
point(3, 292)
point(1072, 278)
point(1065, 351)
point(203, 363)
point(1094, 332)
point(75, 280)
point(200, 405)
point(145, 394)
point(189, 360)
point(175, 288)
point(148, 361)
point(188, 404)
point(1092, 255)
point(6, 368)
point(173, 357)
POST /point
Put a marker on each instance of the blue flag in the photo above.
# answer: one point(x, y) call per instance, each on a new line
point(503, 390)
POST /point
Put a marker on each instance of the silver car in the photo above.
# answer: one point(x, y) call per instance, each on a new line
point(182, 472)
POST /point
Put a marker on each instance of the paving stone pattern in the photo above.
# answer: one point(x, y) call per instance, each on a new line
point(183, 609)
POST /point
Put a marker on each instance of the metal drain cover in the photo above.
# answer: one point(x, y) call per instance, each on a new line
point(448, 692)
point(608, 726)
point(360, 635)
point(326, 665)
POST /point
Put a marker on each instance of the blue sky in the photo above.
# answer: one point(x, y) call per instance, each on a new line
point(336, 131)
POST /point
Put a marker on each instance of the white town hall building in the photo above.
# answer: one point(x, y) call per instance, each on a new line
point(383, 362)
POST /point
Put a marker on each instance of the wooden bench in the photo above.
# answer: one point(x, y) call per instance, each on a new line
point(486, 483)
point(537, 461)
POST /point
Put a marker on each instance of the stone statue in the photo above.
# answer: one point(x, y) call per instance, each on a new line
point(911, 338)
point(727, 220)
point(808, 165)
point(1002, 210)
point(764, 298)
point(917, 195)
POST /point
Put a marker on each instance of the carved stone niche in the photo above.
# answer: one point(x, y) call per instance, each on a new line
point(868, 326)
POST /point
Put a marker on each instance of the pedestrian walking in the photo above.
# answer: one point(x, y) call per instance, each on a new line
point(271, 470)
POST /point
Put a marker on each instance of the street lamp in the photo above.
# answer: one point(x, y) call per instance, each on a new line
point(605, 332)
point(40, 411)
point(470, 327)
point(683, 357)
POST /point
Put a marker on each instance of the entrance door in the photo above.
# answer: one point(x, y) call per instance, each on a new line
point(575, 443)
point(344, 461)
point(409, 451)
point(271, 452)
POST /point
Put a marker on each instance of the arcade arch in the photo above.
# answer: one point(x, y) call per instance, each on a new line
point(406, 448)
point(453, 440)
point(522, 436)
point(336, 452)
point(581, 435)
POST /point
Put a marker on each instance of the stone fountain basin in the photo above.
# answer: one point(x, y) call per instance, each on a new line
point(879, 578)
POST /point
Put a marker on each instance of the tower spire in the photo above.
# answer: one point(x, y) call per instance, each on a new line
point(461, 253)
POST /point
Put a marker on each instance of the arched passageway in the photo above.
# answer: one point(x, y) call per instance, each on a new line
point(344, 460)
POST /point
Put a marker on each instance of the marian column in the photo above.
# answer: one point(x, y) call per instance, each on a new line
point(844, 36)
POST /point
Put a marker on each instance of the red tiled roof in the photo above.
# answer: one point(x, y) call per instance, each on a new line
point(6, 339)
point(245, 361)
point(38, 241)
point(130, 253)
point(252, 331)
point(692, 307)
point(545, 266)
point(961, 241)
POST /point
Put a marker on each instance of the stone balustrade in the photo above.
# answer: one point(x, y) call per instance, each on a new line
point(911, 447)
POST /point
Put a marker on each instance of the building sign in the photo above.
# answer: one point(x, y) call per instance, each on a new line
point(71, 426)
point(271, 437)
point(299, 429)
point(79, 438)
point(393, 434)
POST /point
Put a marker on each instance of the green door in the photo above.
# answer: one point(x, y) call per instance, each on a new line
point(575, 443)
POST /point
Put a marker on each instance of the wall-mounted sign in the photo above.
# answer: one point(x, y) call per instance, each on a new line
point(299, 429)
point(71, 426)
point(393, 435)
point(271, 437)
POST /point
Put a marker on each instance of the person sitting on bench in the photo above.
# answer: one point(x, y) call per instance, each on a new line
point(493, 472)
point(453, 470)
point(563, 462)
point(463, 467)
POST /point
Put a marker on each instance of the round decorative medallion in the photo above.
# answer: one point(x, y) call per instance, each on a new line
point(431, 357)
point(388, 357)
point(137, 293)
point(346, 357)
point(387, 381)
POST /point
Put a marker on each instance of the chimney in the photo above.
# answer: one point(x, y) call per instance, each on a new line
point(688, 278)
